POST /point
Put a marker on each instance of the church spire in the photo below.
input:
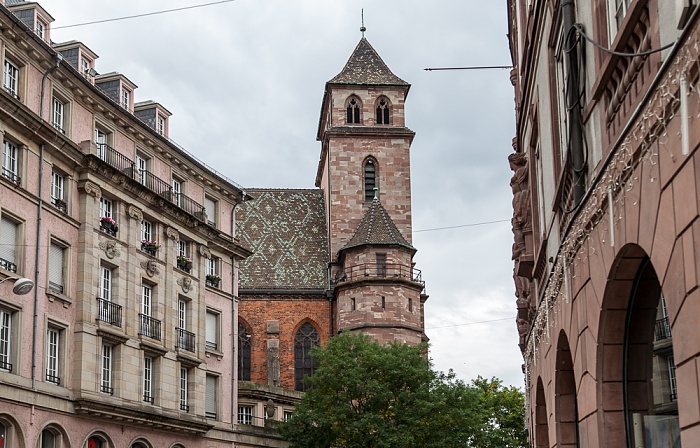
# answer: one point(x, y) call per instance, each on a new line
point(362, 28)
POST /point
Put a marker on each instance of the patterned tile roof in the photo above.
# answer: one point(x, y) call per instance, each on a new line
point(365, 66)
point(378, 228)
point(286, 230)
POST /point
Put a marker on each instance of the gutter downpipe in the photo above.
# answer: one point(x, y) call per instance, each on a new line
point(57, 58)
point(234, 322)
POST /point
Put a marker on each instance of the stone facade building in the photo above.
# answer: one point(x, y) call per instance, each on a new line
point(171, 308)
point(606, 200)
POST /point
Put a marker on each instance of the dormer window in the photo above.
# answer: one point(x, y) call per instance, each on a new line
point(126, 95)
point(84, 66)
point(40, 27)
point(160, 126)
point(354, 107)
point(383, 111)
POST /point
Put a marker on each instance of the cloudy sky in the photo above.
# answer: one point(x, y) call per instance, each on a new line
point(244, 80)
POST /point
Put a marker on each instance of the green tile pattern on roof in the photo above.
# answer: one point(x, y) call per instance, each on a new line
point(365, 66)
point(286, 230)
point(378, 228)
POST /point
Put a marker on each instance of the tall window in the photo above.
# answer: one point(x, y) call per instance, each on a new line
point(40, 29)
point(184, 389)
point(106, 283)
point(101, 143)
point(177, 189)
point(212, 334)
point(381, 265)
point(353, 111)
point(672, 377)
point(59, 115)
point(306, 338)
point(146, 293)
point(617, 9)
point(182, 314)
point(383, 111)
point(85, 66)
point(161, 125)
point(183, 248)
point(8, 244)
point(105, 208)
point(5, 340)
point(243, 353)
point(245, 414)
point(58, 181)
point(146, 230)
point(210, 207)
point(48, 439)
point(52, 355)
point(11, 78)
point(141, 169)
point(56, 262)
point(125, 98)
point(370, 180)
point(106, 376)
point(9, 161)
point(148, 379)
point(211, 403)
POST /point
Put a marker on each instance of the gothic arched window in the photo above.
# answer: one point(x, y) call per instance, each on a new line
point(353, 110)
point(370, 179)
point(383, 111)
point(305, 339)
point(243, 353)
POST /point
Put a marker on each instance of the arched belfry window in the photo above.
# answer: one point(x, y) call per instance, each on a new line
point(354, 107)
point(383, 111)
point(370, 179)
point(243, 353)
point(305, 339)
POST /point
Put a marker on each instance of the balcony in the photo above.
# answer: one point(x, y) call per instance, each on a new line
point(109, 226)
point(150, 327)
point(11, 175)
point(115, 159)
point(185, 340)
point(187, 204)
point(8, 265)
point(380, 270)
point(109, 312)
point(153, 183)
point(59, 204)
point(663, 329)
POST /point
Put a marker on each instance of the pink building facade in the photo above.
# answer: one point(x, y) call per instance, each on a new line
point(606, 199)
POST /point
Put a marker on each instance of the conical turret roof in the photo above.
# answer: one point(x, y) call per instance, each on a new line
point(365, 66)
point(377, 228)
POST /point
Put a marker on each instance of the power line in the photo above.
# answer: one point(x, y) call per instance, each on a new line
point(476, 67)
point(142, 15)
point(463, 225)
point(473, 323)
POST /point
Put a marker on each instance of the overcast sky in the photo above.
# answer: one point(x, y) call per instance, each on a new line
point(244, 81)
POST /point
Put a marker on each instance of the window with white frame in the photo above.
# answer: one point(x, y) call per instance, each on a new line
point(212, 330)
point(183, 249)
point(161, 125)
point(213, 266)
point(146, 230)
point(672, 377)
point(101, 142)
point(106, 283)
point(9, 254)
point(58, 181)
point(84, 66)
point(11, 78)
point(106, 207)
point(148, 379)
point(210, 210)
point(245, 414)
point(617, 10)
point(57, 254)
point(141, 169)
point(53, 344)
point(106, 373)
point(146, 296)
point(125, 99)
point(184, 386)
point(10, 154)
point(211, 403)
point(40, 28)
point(177, 190)
point(288, 415)
point(182, 314)
point(59, 115)
point(6, 339)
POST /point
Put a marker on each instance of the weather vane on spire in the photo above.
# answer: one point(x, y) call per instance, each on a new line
point(362, 28)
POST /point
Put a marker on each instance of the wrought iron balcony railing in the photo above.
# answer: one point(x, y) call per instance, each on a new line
point(150, 327)
point(109, 312)
point(184, 407)
point(52, 378)
point(8, 265)
point(104, 388)
point(115, 159)
point(11, 175)
point(380, 270)
point(6, 366)
point(185, 340)
point(148, 398)
point(59, 204)
point(663, 329)
point(153, 182)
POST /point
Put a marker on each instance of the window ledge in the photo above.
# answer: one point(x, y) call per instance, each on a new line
point(55, 295)
point(209, 352)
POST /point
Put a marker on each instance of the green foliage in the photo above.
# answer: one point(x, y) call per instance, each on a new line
point(367, 395)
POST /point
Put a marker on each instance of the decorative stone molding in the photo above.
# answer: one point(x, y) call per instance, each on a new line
point(172, 233)
point(204, 251)
point(185, 283)
point(92, 189)
point(135, 213)
point(110, 248)
point(151, 268)
point(112, 337)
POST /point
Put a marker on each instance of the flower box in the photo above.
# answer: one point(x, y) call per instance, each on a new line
point(150, 247)
point(109, 225)
point(184, 263)
point(213, 280)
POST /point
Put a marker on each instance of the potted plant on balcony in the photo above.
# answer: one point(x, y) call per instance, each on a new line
point(109, 225)
point(184, 263)
point(150, 246)
point(213, 280)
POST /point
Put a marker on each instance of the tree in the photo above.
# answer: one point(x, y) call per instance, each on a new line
point(367, 395)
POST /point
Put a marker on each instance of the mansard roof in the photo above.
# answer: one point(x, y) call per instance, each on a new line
point(377, 228)
point(286, 230)
point(365, 66)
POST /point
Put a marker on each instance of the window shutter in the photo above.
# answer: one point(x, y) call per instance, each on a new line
point(210, 207)
point(56, 265)
point(211, 396)
point(8, 240)
point(211, 328)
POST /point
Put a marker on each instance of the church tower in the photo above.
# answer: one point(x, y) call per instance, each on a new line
point(364, 173)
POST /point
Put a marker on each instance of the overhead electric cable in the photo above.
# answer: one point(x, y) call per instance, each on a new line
point(473, 323)
point(579, 30)
point(142, 15)
point(463, 225)
point(477, 67)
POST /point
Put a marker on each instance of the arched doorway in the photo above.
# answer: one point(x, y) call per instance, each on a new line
point(566, 406)
point(541, 426)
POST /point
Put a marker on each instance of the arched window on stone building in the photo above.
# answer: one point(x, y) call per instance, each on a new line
point(244, 337)
point(305, 339)
point(370, 173)
point(353, 110)
point(383, 108)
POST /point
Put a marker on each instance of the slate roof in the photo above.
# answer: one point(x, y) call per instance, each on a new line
point(365, 66)
point(286, 230)
point(377, 228)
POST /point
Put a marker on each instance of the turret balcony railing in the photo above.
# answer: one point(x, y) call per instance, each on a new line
point(380, 270)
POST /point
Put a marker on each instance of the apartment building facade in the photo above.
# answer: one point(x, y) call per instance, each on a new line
point(606, 195)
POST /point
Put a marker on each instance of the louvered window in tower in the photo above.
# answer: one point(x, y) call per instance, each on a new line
point(383, 112)
point(353, 111)
point(305, 339)
point(243, 353)
point(370, 180)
